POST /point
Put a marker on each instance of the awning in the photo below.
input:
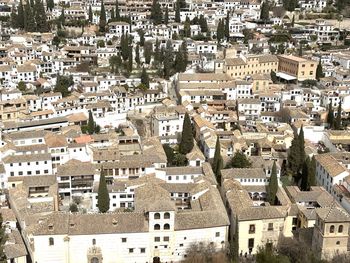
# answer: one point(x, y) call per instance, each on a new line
point(285, 76)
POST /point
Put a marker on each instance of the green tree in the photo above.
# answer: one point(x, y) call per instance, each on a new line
point(227, 25)
point(273, 76)
point(137, 55)
point(290, 5)
point(177, 11)
point(300, 52)
point(293, 21)
point(73, 208)
point(203, 24)
point(40, 17)
point(91, 16)
point(266, 254)
point(62, 85)
point(144, 77)
point(14, 18)
point(124, 46)
point(170, 155)
point(312, 172)
point(168, 60)
point(239, 160)
point(62, 19)
point(50, 4)
point(103, 195)
point(130, 59)
point(29, 19)
point(180, 159)
point(187, 143)
point(234, 247)
point(91, 123)
point(101, 43)
point(319, 71)
point(20, 15)
point(273, 185)
point(330, 116)
point(264, 11)
point(293, 156)
point(117, 12)
point(103, 20)
point(21, 86)
point(166, 16)
point(156, 13)
point(3, 238)
point(187, 27)
point(142, 37)
point(217, 161)
point(147, 52)
point(337, 123)
point(301, 146)
point(304, 185)
point(220, 31)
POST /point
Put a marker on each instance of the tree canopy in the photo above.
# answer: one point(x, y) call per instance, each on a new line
point(103, 195)
point(187, 143)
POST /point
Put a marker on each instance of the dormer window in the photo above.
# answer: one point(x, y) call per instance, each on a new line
point(50, 227)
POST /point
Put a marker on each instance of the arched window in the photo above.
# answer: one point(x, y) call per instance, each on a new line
point(166, 226)
point(331, 229)
point(93, 241)
point(166, 215)
point(156, 227)
point(156, 216)
point(51, 241)
point(94, 260)
point(340, 229)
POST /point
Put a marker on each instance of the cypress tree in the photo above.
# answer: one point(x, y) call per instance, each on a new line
point(112, 14)
point(91, 123)
point(187, 27)
point(20, 15)
point(220, 32)
point(227, 26)
point(137, 55)
point(40, 17)
point(130, 59)
point(177, 12)
point(157, 56)
point(300, 50)
point(156, 13)
point(217, 162)
point(103, 195)
point(301, 146)
point(14, 18)
point(144, 77)
point(330, 116)
point(312, 172)
point(3, 238)
point(142, 37)
point(293, 21)
point(90, 14)
point(30, 21)
point(166, 16)
point(147, 52)
point(264, 11)
point(168, 60)
point(203, 24)
point(62, 18)
point(50, 4)
point(117, 12)
point(337, 123)
point(103, 21)
point(124, 46)
point(273, 185)
point(293, 156)
point(319, 71)
point(186, 144)
point(304, 186)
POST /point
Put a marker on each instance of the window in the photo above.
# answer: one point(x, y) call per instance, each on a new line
point(166, 226)
point(123, 239)
point(251, 229)
point(156, 227)
point(156, 216)
point(340, 229)
point(93, 241)
point(142, 250)
point(165, 238)
point(131, 250)
point(166, 215)
point(156, 239)
point(217, 234)
point(270, 227)
point(338, 243)
point(331, 229)
point(51, 241)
